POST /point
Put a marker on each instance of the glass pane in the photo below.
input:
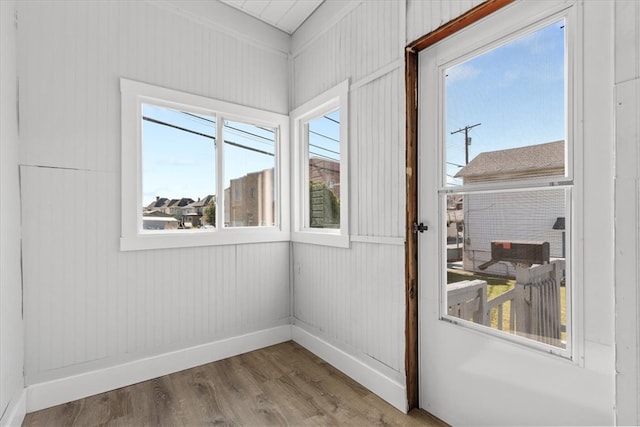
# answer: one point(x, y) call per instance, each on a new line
point(505, 261)
point(178, 169)
point(323, 139)
point(249, 162)
point(512, 96)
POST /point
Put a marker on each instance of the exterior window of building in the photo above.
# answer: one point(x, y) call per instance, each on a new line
point(321, 151)
point(182, 187)
point(506, 188)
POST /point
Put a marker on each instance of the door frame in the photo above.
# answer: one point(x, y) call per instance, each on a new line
point(411, 247)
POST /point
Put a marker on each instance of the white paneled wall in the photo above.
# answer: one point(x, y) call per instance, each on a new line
point(627, 203)
point(11, 324)
point(377, 157)
point(86, 301)
point(87, 305)
point(353, 298)
point(361, 43)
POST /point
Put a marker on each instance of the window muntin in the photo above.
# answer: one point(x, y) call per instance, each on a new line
point(505, 199)
point(321, 189)
point(196, 118)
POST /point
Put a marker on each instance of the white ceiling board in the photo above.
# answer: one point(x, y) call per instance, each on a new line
point(286, 15)
point(276, 11)
point(254, 7)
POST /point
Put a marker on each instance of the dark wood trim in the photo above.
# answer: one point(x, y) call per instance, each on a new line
point(457, 24)
point(411, 246)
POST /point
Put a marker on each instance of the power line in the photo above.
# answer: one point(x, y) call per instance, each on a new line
point(331, 119)
point(324, 149)
point(235, 144)
point(324, 136)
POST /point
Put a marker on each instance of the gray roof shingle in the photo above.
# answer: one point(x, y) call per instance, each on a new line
point(532, 160)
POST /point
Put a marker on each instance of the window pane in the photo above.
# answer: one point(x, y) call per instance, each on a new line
point(323, 140)
point(249, 162)
point(505, 261)
point(512, 96)
point(178, 169)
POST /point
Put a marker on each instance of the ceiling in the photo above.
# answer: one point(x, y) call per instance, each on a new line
point(286, 15)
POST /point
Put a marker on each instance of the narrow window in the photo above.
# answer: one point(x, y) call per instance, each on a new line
point(321, 167)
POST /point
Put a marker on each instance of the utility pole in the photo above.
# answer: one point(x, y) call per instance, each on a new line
point(467, 140)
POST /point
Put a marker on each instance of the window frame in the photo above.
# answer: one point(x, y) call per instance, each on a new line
point(133, 95)
point(570, 181)
point(336, 98)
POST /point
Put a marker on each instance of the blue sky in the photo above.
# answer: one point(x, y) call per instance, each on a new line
point(516, 92)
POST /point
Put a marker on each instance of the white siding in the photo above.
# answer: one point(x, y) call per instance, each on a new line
point(510, 216)
point(88, 305)
point(627, 203)
point(11, 325)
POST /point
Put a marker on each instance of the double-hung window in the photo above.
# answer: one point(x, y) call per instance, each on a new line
point(198, 171)
point(506, 185)
point(321, 190)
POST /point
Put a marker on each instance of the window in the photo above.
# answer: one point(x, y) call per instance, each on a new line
point(506, 187)
point(321, 168)
point(180, 187)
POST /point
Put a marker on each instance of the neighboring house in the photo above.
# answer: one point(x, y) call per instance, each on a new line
point(193, 212)
point(511, 216)
point(156, 220)
point(175, 206)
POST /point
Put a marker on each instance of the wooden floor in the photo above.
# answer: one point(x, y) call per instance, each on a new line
point(279, 385)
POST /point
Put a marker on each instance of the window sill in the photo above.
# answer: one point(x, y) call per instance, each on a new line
point(185, 239)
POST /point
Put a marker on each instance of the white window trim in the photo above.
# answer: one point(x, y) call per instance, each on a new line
point(134, 94)
point(334, 98)
point(523, 22)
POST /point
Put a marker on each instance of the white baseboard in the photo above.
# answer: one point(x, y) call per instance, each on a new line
point(387, 388)
point(44, 395)
point(16, 411)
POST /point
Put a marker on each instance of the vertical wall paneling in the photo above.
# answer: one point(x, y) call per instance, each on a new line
point(354, 298)
point(87, 305)
point(627, 206)
point(11, 324)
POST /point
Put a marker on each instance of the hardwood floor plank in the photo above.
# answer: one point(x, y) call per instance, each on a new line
point(282, 385)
